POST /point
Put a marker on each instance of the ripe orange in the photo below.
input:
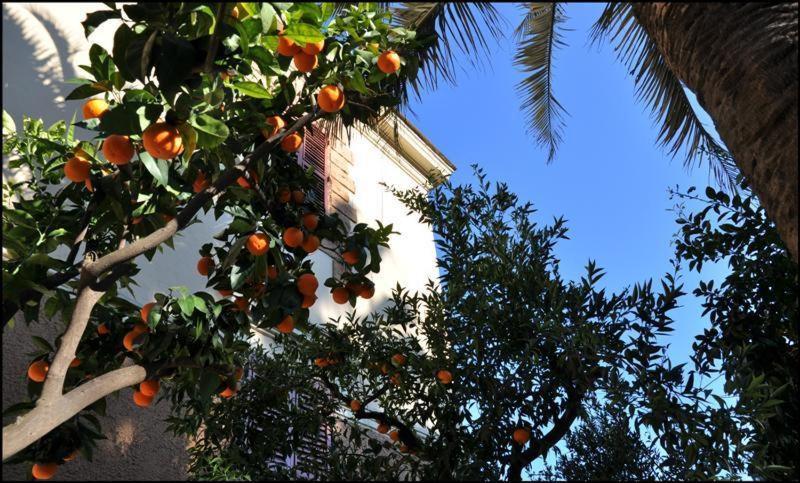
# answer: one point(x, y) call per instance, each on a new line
point(355, 405)
point(304, 62)
point(310, 221)
point(350, 257)
point(77, 169)
point(383, 428)
point(145, 311)
point(287, 47)
point(444, 376)
point(75, 362)
point(103, 329)
point(238, 373)
point(44, 471)
point(395, 379)
point(403, 448)
point(130, 339)
point(162, 140)
point(286, 325)
point(242, 181)
point(140, 328)
point(389, 62)
point(118, 149)
point(311, 243)
point(308, 301)
point(340, 295)
point(354, 288)
point(228, 393)
point(292, 237)
point(521, 436)
point(307, 284)
point(205, 265)
point(257, 244)
point(399, 359)
point(314, 48)
point(367, 292)
point(395, 435)
point(298, 196)
point(88, 184)
point(200, 183)
point(149, 388)
point(330, 98)
point(142, 400)
point(284, 195)
point(224, 292)
point(37, 371)
point(277, 124)
point(321, 362)
point(272, 272)
point(94, 108)
point(292, 142)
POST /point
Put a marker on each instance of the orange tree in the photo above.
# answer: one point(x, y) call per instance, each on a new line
point(197, 107)
point(483, 375)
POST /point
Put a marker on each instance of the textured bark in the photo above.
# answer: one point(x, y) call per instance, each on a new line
point(741, 62)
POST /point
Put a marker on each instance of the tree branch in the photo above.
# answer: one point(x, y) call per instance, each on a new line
point(407, 435)
point(43, 418)
point(543, 444)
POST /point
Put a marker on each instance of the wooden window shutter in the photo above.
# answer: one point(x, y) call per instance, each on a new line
point(314, 153)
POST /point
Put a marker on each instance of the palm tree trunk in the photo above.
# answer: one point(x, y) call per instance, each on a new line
point(741, 62)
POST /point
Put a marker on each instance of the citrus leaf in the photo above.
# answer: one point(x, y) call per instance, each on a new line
point(253, 89)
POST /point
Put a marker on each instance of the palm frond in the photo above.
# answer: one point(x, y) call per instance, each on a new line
point(657, 86)
point(456, 27)
point(538, 35)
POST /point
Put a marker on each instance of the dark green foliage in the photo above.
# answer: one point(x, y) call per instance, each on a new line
point(752, 342)
point(604, 448)
point(525, 347)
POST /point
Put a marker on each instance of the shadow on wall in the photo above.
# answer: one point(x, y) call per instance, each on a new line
point(137, 446)
point(36, 60)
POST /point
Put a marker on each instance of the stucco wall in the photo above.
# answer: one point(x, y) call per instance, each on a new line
point(42, 46)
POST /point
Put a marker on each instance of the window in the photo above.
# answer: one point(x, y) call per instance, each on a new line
point(314, 153)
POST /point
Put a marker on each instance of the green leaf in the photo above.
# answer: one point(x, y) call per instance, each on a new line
point(187, 305)
point(233, 255)
point(253, 89)
point(267, 17)
point(42, 343)
point(86, 90)
point(303, 33)
point(8, 124)
point(189, 136)
point(95, 19)
point(158, 168)
point(210, 132)
point(200, 304)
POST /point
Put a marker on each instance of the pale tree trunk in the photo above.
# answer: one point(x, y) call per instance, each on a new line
point(741, 62)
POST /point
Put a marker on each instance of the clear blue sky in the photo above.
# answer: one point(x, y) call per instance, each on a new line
point(609, 179)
